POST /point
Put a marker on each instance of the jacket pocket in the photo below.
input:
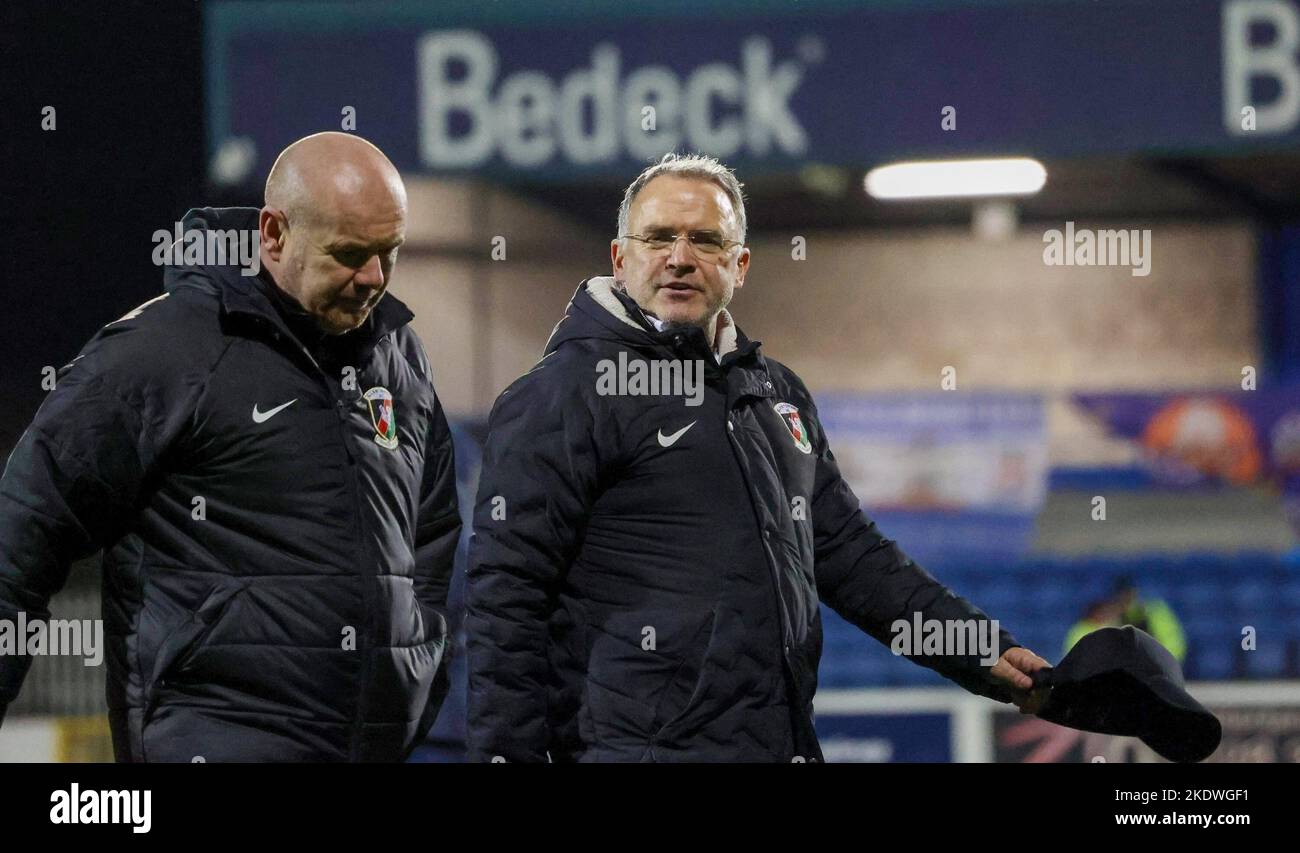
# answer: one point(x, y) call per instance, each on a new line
point(430, 691)
point(644, 668)
point(434, 686)
point(180, 643)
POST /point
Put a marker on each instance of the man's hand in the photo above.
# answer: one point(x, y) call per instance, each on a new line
point(1013, 669)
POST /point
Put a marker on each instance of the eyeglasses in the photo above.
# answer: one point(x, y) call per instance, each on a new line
point(705, 244)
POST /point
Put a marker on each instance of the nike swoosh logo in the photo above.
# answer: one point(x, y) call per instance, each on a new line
point(262, 417)
point(670, 440)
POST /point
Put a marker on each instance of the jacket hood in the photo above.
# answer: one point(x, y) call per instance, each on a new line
point(601, 310)
point(225, 276)
point(206, 272)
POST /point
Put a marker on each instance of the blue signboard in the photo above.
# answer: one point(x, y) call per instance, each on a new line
point(883, 738)
point(946, 474)
point(565, 89)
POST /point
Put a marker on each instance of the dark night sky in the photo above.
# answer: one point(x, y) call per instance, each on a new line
point(81, 202)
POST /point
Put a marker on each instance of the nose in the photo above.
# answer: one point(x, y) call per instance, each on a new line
point(681, 257)
point(370, 275)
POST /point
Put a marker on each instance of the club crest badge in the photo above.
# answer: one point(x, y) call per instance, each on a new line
point(798, 432)
point(383, 417)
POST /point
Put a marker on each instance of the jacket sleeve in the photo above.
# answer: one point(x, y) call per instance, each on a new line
point(437, 532)
point(866, 578)
point(540, 477)
point(74, 479)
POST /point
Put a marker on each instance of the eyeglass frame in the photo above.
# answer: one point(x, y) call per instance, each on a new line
point(727, 245)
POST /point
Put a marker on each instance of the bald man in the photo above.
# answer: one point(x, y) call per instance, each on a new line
point(260, 453)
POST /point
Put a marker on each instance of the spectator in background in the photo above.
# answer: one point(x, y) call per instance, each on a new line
point(1102, 613)
point(1126, 607)
point(1151, 615)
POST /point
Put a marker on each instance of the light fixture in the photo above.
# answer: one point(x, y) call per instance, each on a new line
point(1007, 176)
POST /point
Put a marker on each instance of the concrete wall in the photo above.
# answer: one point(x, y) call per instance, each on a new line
point(485, 319)
point(890, 310)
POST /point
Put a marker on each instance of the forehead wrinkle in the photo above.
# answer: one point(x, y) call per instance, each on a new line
point(685, 204)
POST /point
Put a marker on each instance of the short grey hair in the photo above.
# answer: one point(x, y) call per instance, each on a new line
point(700, 166)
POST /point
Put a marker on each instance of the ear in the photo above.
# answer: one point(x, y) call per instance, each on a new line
point(616, 258)
point(273, 229)
point(742, 266)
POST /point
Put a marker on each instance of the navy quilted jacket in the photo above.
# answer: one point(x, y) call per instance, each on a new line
point(645, 575)
point(278, 526)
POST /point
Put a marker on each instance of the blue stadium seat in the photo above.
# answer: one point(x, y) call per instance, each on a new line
point(1271, 629)
point(1199, 597)
point(1015, 620)
point(1089, 589)
point(1288, 596)
point(1268, 660)
point(1052, 600)
point(998, 597)
point(1046, 643)
point(867, 668)
point(1214, 641)
point(1211, 663)
point(915, 675)
point(1252, 598)
point(1039, 598)
point(1212, 628)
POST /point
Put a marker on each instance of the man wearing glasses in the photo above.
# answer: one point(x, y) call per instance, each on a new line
point(647, 564)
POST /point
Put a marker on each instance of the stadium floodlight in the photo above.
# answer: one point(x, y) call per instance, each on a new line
point(1006, 176)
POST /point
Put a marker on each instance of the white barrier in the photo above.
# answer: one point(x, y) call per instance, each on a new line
point(1261, 723)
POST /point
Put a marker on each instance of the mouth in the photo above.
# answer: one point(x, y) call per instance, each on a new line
point(678, 287)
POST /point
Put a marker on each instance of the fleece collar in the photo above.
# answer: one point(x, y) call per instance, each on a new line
point(604, 290)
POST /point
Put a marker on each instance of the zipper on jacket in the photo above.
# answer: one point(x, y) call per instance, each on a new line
point(363, 648)
point(367, 594)
point(773, 569)
point(794, 687)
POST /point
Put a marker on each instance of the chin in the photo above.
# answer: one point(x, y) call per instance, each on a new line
point(343, 326)
point(678, 311)
point(682, 316)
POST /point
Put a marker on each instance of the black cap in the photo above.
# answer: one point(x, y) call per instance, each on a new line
point(1120, 681)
